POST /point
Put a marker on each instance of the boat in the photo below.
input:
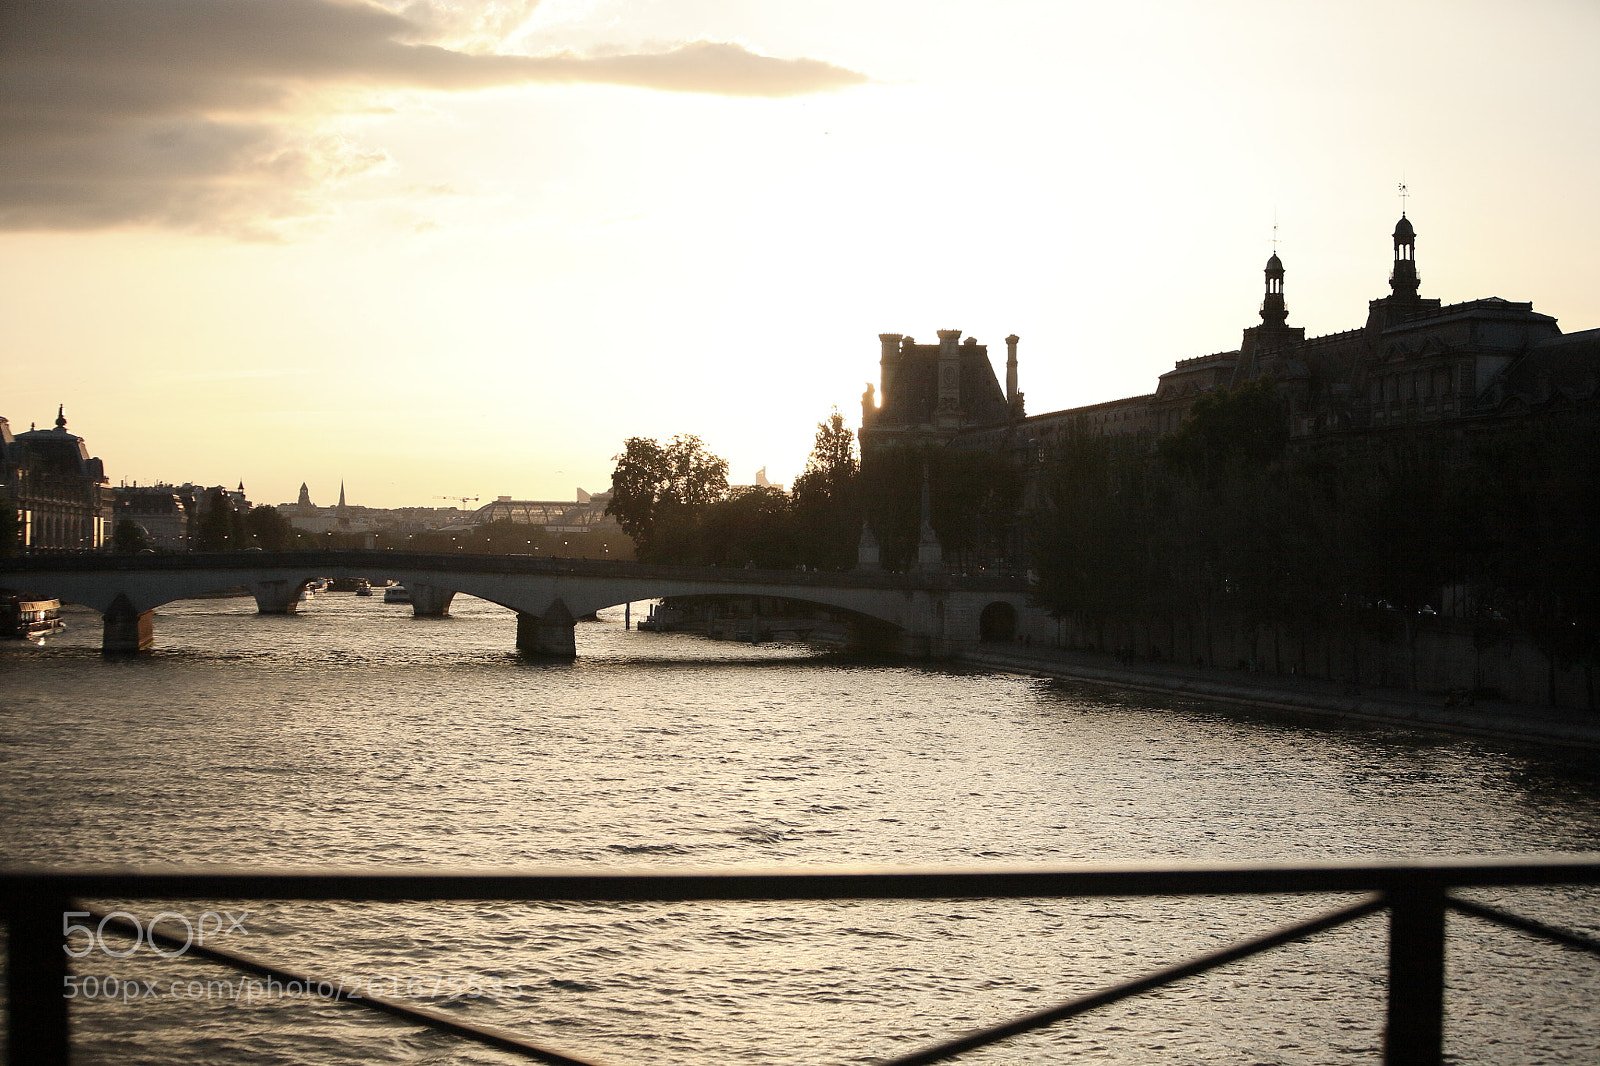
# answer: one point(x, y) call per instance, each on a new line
point(396, 594)
point(23, 614)
point(661, 619)
point(363, 589)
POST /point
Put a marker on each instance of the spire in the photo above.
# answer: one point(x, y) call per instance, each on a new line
point(341, 494)
point(1274, 312)
point(61, 416)
point(1403, 279)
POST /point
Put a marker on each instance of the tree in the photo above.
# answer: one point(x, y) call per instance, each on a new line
point(1226, 429)
point(975, 498)
point(504, 536)
point(752, 526)
point(265, 528)
point(827, 508)
point(219, 527)
point(654, 487)
point(129, 536)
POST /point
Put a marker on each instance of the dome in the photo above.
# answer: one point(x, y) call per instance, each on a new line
point(1403, 228)
point(1275, 265)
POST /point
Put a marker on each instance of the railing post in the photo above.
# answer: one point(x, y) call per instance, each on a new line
point(36, 966)
point(1415, 1032)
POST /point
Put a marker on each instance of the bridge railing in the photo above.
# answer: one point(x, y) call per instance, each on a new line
point(1416, 896)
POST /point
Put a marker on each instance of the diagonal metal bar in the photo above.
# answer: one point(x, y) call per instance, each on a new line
point(482, 1034)
point(1526, 925)
point(1073, 1008)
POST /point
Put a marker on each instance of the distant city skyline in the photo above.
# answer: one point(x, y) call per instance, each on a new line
point(467, 251)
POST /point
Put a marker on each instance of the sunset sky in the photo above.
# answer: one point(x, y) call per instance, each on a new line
point(442, 248)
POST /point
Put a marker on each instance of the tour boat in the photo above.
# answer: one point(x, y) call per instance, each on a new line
point(396, 594)
point(24, 615)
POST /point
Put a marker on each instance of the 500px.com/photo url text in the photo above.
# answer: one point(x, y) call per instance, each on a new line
point(261, 990)
point(170, 935)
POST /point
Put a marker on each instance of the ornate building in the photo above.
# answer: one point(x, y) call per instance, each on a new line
point(1414, 362)
point(58, 490)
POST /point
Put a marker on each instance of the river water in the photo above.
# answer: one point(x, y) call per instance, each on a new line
point(353, 734)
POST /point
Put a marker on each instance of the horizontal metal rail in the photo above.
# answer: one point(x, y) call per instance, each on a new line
point(1415, 894)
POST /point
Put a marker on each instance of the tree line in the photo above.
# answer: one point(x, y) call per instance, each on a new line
point(1223, 517)
point(221, 526)
point(674, 500)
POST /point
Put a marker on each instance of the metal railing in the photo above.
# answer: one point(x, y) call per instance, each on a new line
point(1416, 896)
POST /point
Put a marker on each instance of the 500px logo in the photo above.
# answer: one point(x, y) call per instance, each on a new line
point(127, 927)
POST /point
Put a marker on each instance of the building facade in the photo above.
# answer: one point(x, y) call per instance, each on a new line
point(59, 491)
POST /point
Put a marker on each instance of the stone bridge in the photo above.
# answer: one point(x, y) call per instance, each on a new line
point(918, 614)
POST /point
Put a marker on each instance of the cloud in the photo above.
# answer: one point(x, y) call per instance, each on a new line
point(212, 114)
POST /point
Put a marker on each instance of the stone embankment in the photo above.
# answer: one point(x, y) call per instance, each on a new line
point(1304, 695)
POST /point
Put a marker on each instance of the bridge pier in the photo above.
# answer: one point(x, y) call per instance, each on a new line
point(429, 601)
point(127, 629)
point(277, 596)
point(552, 634)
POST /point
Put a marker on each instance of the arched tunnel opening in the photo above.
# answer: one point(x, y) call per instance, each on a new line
point(998, 623)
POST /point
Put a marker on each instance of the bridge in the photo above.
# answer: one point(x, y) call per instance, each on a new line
point(916, 614)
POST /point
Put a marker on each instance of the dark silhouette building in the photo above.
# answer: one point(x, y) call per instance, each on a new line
point(1414, 362)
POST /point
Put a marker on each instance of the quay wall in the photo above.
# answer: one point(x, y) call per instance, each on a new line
point(1456, 660)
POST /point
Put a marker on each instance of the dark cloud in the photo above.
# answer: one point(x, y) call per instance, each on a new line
point(197, 113)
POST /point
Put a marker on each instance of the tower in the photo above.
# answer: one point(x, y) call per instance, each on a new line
point(1261, 350)
point(1013, 396)
point(1274, 312)
point(1402, 301)
point(1403, 279)
point(948, 413)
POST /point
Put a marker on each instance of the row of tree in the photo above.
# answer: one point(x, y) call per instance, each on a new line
point(1224, 517)
point(673, 499)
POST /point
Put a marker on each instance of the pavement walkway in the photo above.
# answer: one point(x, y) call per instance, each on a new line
point(1491, 718)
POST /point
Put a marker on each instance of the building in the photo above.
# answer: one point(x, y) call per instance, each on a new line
point(586, 514)
point(59, 491)
point(344, 517)
point(1414, 362)
point(164, 513)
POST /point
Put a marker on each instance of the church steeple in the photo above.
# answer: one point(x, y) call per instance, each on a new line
point(1274, 312)
point(1403, 280)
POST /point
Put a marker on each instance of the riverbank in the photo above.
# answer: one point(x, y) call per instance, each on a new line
point(1302, 695)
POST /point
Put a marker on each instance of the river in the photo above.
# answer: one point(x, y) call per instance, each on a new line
point(353, 734)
